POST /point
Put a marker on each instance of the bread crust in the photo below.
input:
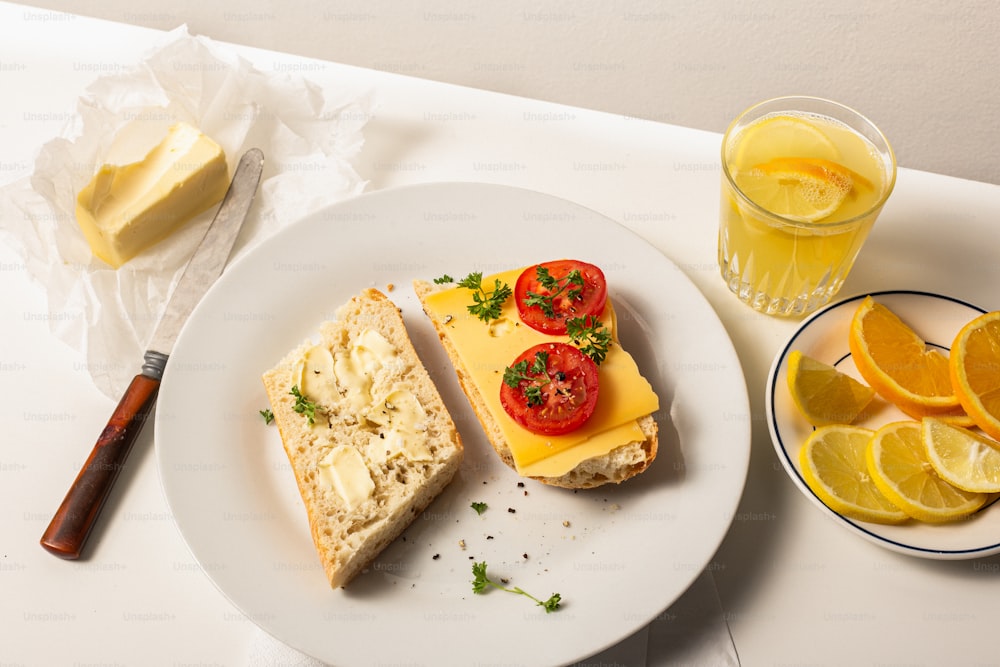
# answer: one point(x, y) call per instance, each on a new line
point(618, 465)
point(347, 540)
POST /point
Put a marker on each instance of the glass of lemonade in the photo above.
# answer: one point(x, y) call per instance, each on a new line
point(803, 180)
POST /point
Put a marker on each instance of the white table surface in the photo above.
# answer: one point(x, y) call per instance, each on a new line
point(795, 587)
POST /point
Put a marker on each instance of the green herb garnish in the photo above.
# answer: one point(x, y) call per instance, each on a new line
point(519, 372)
point(479, 507)
point(304, 406)
point(481, 581)
point(571, 285)
point(444, 280)
point(589, 333)
point(267, 415)
point(488, 303)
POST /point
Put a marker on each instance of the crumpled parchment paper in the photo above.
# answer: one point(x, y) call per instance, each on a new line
point(309, 136)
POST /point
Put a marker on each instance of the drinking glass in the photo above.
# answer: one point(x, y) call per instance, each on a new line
point(803, 180)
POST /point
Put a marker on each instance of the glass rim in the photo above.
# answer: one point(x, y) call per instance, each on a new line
point(803, 224)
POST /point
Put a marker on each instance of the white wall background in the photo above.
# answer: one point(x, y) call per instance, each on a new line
point(928, 73)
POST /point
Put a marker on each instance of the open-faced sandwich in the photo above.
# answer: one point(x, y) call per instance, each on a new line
point(367, 434)
point(536, 352)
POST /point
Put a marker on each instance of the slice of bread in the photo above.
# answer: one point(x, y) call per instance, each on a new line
point(622, 463)
point(348, 538)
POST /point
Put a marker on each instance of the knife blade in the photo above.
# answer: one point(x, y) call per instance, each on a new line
point(71, 525)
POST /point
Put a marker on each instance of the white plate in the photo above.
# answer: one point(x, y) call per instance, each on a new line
point(823, 336)
point(625, 553)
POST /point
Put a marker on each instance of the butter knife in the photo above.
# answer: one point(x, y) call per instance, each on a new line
point(71, 525)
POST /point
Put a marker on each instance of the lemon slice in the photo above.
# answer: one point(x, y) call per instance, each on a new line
point(897, 461)
point(782, 135)
point(962, 457)
point(803, 189)
point(833, 466)
point(823, 394)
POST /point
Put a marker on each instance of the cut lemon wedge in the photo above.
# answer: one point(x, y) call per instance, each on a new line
point(962, 457)
point(899, 467)
point(974, 365)
point(799, 188)
point(782, 135)
point(823, 394)
point(833, 466)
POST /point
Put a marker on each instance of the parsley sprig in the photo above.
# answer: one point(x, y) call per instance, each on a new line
point(571, 285)
point(304, 406)
point(591, 335)
point(482, 581)
point(479, 507)
point(487, 303)
point(537, 376)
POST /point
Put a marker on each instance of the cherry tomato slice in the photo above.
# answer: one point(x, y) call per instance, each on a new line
point(547, 298)
point(550, 389)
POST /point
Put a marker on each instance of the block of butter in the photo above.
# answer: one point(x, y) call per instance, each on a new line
point(128, 208)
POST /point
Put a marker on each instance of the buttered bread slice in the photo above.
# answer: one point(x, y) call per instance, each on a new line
point(367, 434)
point(619, 440)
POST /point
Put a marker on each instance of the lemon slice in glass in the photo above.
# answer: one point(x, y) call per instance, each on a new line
point(799, 188)
point(782, 135)
point(833, 466)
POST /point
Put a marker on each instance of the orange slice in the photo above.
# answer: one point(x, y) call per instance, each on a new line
point(899, 365)
point(974, 365)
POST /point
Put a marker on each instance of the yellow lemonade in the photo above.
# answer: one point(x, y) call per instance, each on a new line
point(800, 192)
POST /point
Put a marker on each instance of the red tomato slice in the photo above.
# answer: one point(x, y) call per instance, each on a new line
point(545, 302)
point(550, 389)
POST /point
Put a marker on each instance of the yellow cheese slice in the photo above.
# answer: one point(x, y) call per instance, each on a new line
point(125, 209)
point(486, 350)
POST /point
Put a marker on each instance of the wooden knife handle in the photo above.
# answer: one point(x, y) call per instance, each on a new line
point(72, 522)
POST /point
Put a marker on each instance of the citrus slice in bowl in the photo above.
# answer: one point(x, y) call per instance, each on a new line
point(899, 467)
point(963, 458)
point(898, 364)
point(823, 394)
point(974, 366)
point(834, 468)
